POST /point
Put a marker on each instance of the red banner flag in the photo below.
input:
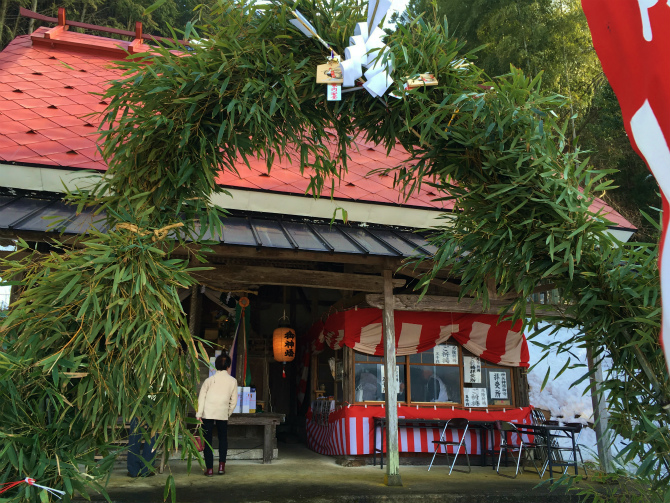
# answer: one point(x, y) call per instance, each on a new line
point(632, 40)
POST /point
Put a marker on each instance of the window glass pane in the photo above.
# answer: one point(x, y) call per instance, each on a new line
point(304, 237)
point(443, 354)
point(236, 231)
point(435, 383)
point(336, 239)
point(360, 357)
point(368, 241)
point(370, 382)
point(271, 234)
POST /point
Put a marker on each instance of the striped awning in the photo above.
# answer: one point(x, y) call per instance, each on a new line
point(361, 329)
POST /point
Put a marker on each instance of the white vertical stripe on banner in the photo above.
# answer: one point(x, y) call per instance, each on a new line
point(337, 438)
point(445, 333)
point(513, 345)
point(468, 442)
point(402, 440)
point(365, 423)
point(353, 437)
point(339, 339)
point(479, 333)
point(371, 337)
point(417, 439)
point(343, 432)
point(410, 333)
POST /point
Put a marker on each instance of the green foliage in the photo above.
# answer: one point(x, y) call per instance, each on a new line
point(553, 37)
point(101, 326)
point(101, 337)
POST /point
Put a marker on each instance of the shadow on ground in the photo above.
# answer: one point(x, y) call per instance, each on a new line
point(302, 475)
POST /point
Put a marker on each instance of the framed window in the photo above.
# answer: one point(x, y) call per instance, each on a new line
point(444, 375)
point(370, 378)
point(435, 375)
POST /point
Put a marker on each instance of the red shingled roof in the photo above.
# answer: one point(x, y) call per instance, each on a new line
point(46, 107)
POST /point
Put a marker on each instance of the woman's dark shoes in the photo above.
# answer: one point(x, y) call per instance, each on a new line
point(209, 472)
point(222, 468)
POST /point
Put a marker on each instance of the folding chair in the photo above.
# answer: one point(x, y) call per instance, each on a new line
point(578, 451)
point(506, 446)
point(461, 425)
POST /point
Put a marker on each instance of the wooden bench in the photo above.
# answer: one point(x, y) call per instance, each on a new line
point(268, 421)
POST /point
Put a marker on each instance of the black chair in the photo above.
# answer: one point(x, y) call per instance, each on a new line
point(461, 425)
point(506, 429)
point(576, 452)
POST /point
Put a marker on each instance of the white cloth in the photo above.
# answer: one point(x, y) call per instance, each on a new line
point(439, 385)
point(218, 396)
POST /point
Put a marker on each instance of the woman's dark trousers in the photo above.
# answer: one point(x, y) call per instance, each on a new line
point(222, 432)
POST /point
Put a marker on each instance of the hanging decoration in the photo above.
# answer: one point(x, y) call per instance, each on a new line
point(242, 327)
point(8, 485)
point(366, 50)
point(283, 343)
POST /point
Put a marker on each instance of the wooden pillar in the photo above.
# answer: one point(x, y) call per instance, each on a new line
point(348, 385)
point(600, 414)
point(313, 377)
point(392, 477)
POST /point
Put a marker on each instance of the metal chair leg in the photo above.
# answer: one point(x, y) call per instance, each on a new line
point(458, 451)
point(446, 451)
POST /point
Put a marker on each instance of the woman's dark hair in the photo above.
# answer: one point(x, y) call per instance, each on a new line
point(222, 362)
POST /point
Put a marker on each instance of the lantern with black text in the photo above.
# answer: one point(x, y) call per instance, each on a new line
point(283, 345)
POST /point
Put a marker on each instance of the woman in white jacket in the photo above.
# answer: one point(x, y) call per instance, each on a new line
point(217, 400)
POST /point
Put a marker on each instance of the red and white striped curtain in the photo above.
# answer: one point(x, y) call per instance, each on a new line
point(481, 334)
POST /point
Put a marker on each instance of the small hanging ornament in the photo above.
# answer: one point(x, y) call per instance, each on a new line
point(283, 343)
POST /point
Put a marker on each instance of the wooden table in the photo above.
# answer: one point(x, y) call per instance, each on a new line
point(268, 421)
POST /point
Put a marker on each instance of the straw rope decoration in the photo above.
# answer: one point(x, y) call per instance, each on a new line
point(365, 49)
point(9, 485)
point(158, 234)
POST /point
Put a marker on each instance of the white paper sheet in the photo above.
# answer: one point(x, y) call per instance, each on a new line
point(498, 384)
point(374, 42)
point(378, 84)
point(333, 93)
point(351, 70)
point(378, 67)
point(362, 30)
point(445, 354)
point(381, 372)
point(357, 40)
point(475, 397)
point(378, 9)
point(472, 369)
point(300, 25)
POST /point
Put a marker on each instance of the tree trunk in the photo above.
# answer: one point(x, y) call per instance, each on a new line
point(31, 23)
point(3, 15)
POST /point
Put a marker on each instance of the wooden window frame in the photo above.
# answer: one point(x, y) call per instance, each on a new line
point(408, 382)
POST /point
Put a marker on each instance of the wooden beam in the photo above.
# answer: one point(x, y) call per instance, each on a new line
point(437, 303)
point(392, 477)
point(295, 277)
